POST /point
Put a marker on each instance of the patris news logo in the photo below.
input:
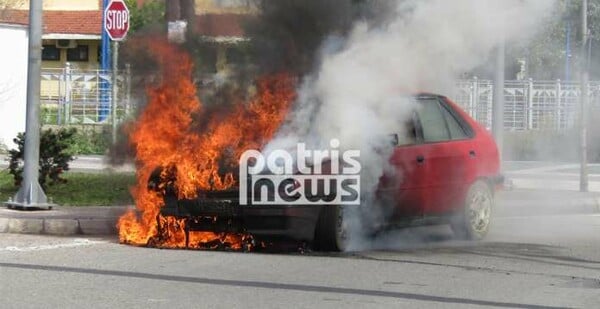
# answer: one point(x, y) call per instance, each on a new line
point(333, 177)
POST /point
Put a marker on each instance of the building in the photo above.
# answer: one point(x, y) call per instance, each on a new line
point(13, 83)
point(219, 24)
point(72, 31)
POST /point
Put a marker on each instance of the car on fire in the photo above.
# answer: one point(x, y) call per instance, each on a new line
point(447, 173)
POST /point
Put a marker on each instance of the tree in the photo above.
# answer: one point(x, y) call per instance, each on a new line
point(546, 54)
point(149, 14)
point(54, 156)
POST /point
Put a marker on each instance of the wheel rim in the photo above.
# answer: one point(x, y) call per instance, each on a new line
point(480, 208)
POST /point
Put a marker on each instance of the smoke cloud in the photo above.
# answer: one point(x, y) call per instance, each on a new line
point(358, 93)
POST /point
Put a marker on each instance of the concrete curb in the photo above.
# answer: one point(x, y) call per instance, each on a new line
point(63, 221)
point(61, 227)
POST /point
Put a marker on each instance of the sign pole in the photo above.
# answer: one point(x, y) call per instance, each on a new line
point(116, 25)
point(115, 89)
point(30, 194)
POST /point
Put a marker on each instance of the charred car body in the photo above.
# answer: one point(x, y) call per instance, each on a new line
point(448, 172)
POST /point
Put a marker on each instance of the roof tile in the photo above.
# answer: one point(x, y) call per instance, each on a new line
point(68, 22)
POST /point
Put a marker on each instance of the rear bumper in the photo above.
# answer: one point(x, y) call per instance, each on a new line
point(226, 215)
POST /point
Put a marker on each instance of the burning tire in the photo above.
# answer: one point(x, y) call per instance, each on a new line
point(473, 222)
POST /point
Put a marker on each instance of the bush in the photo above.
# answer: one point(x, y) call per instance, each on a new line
point(88, 140)
point(54, 156)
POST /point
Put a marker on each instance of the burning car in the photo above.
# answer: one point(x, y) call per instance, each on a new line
point(446, 171)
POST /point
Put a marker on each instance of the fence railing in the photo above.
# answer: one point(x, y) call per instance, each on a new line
point(529, 104)
point(71, 96)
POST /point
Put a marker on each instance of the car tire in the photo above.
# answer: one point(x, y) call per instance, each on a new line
point(473, 221)
point(330, 232)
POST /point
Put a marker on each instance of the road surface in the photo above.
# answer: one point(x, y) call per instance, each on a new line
point(538, 255)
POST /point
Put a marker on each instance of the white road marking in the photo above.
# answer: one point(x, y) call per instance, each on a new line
point(73, 244)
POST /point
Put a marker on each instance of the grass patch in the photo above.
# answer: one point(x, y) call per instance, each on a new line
point(81, 189)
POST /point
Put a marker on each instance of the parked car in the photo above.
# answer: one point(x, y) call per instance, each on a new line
point(447, 172)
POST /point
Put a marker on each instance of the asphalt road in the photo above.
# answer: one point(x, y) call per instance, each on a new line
point(538, 254)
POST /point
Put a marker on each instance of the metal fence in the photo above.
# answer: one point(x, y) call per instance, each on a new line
point(71, 96)
point(529, 104)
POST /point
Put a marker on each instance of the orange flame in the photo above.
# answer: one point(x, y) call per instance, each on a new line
point(164, 136)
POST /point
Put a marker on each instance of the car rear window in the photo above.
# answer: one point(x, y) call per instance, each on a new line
point(456, 130)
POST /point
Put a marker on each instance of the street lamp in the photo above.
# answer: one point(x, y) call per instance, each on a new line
point(583, 177)
point(30, 194)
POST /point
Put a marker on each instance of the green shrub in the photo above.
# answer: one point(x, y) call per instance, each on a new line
point(49, 115)
point(54, 156)
point(89, 141)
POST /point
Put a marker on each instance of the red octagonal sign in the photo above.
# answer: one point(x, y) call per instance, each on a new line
point(116, 20)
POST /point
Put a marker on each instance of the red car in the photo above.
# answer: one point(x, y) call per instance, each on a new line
point(447, 173)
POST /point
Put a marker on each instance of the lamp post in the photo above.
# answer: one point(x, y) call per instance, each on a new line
point(30, 194)
point(498, 105)
point(583, 177)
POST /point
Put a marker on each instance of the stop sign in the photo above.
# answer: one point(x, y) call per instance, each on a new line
point(116, 20)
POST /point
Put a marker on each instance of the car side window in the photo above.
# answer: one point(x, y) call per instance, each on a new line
point(407, 135)
point(456, 130)
point(432, 121)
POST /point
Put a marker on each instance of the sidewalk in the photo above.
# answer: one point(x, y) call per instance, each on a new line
point(549, 176)
point(62, 220)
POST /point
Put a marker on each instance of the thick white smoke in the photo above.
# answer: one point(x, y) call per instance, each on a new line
point(357, 93)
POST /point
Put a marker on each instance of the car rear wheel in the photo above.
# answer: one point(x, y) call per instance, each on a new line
point(473, 222)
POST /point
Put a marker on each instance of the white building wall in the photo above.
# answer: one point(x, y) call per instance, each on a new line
point(13, 82)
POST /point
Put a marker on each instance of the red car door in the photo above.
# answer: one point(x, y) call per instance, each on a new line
point(431, 174)
point(399, 189)
point(448, 150)
point(407, 181)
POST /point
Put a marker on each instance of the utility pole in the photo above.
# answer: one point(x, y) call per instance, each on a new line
point(583, 178)
point(30, 194)
point(173, 10)
point(180, 16)
point(498, 106)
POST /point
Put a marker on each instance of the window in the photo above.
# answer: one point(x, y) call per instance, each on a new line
point(235, 55)
point(432, 121)
point(456, 130)
point(407, 135)
point(50, 53)
point(79, 53)
point(207, 54)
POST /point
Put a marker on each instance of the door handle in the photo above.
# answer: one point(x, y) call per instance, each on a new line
point(420, 159)
point(472, 153)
